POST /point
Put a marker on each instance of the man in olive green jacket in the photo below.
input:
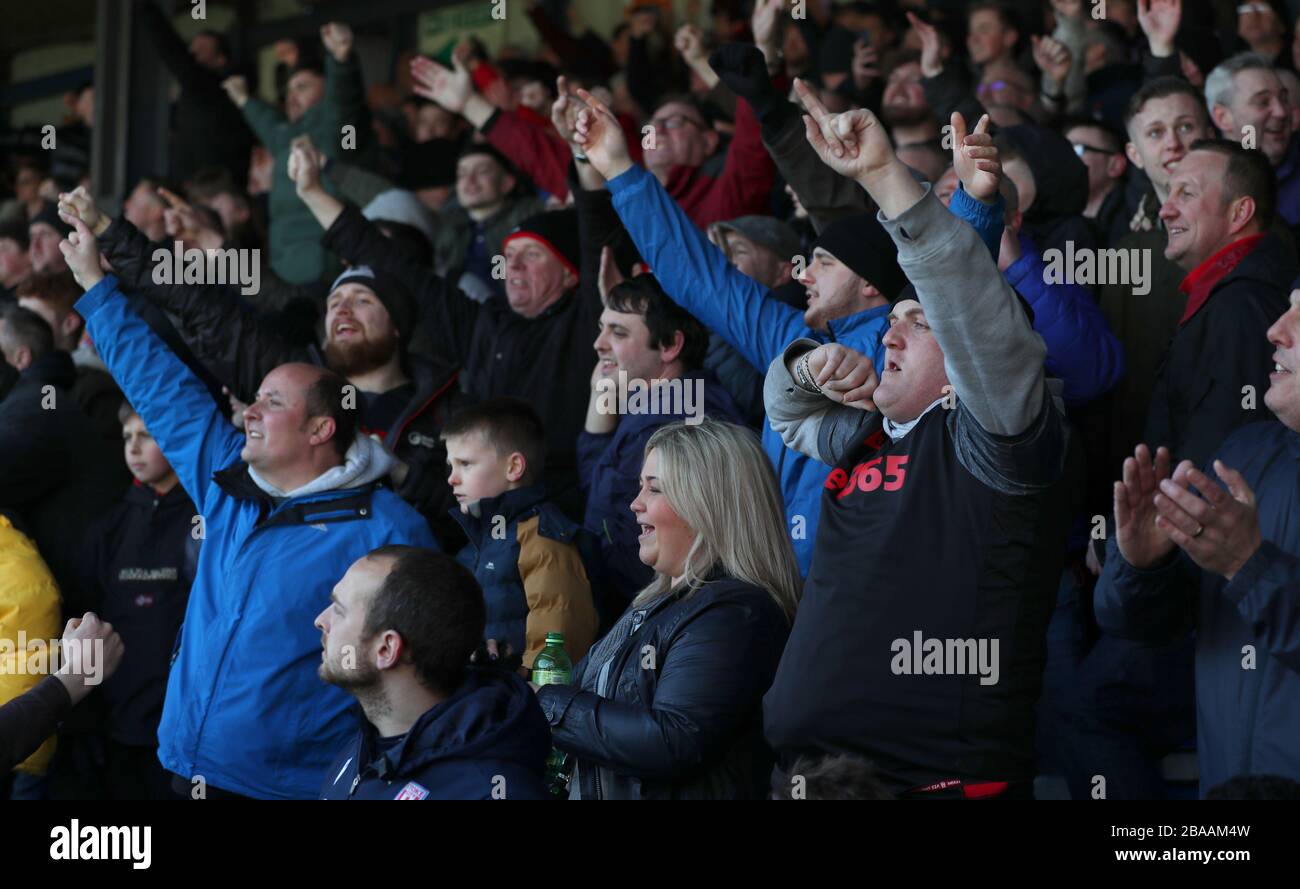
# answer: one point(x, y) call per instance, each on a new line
point(320, 107)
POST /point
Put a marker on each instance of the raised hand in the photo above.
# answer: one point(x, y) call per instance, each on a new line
point(1140, 541)
point(1068, 9)
point(866, 67)
point(931, 46)
point(304, 165)
point(184, 222)
point(975, 158)
point(237, 89)
point(689, 41)
point(765, 23)
point(450, 88)
point(853, 143)
point(564, 110)
point(81, 253)
point(844, 375)
point(237, 409)
point(78, 204)
point(337, 38)
point(1159, 20)
point(610, 275)
point(1219, 529)
point(1052, 58)
point(598, 134)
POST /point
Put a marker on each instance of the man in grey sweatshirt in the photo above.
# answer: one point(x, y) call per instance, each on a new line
point(920, 639)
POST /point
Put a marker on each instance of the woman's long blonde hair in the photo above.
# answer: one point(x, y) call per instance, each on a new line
point(717, 478)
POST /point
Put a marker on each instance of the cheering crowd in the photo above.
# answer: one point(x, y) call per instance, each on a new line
point(883, 400)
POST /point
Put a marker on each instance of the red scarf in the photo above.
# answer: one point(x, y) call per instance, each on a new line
point(1201, 281)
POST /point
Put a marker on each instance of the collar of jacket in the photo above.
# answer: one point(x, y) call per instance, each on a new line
point(54, 367)
point(343, 505)
point(432, 380)
point(145, 495)
point(555, 308)
point(842, 327)
point(1202, 280)
point(419, 746)
point(512, 505)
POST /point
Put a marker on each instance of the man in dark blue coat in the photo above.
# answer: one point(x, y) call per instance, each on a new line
point(1240, 548)
point(398, 635)
point(649, 373)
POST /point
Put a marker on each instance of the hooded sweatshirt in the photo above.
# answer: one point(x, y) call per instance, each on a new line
point(489, 740)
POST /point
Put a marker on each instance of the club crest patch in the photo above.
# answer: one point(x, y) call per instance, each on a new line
point(412, 791)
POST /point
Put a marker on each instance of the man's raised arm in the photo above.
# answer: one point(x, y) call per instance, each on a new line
point(174, 404)
point(691, 269)
point(992, 355)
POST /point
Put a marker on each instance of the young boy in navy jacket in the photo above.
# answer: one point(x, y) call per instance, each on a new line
point(522, 549)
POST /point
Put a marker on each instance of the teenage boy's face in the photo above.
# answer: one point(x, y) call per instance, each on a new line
point(477, 470)
point(623, 343)
point(143, 456)
point(1161, 133)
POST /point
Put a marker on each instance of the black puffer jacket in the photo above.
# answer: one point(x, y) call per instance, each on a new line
point(677, 710)
point(239, 347)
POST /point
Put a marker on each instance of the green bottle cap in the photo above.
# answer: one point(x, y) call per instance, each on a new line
point(554, 638)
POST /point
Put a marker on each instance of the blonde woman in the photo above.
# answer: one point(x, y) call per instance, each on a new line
point(668, 705)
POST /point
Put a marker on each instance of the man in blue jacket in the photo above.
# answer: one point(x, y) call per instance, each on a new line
point(1240, 547)
point(398, 634)
point(283, 512)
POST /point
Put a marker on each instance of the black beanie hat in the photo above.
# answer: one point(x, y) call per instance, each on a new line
point(558, 230)
point(909, 292)
point(389, 291)
point(862, 244)
point(49, 214)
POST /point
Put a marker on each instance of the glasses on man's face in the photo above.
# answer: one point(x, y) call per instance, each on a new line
point(675, 122)
point(1082, 148)
point(994, 87)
